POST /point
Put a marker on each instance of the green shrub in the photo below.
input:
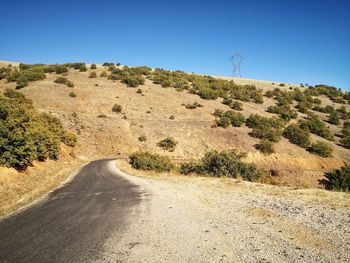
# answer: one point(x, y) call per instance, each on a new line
point(191, 167)
point(139, 91)
point(21, 82)
point(345, 140)
point(208, 94)
point(117, 108)
point(5, 72)
point(230, 117)
point(284, 112)
point(257, 97)
point(69, 139)
point(65, 81)
point(83, 68)
point(225, 163)
point(103, 74)
point(33, 74)
point(133, 81)
point(317, 101)
point(168, 144)
point(11, 93)
point(108, 64)
point(148, 161)
point(59, 69)
point(223, 122)
point(227, 101)
point(344, 114)
point(304, 106)
point(27, 73)
point(236, 105)
point(265, 147)
point(297, 135)
point(93, 66)
point(333, 118)
point(193, 105)
point(316, 126)
point(321, 148)
point(256, 121)
point(265, 128)
point(72, 94)
point(93, 75)
point(218, 112)
point(338, 179)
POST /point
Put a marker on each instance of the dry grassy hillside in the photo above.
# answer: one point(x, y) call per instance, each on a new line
point(103, 133)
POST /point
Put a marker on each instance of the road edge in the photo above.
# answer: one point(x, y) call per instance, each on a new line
point(43, 197)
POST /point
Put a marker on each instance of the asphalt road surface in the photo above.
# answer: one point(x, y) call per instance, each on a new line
point(72, 224)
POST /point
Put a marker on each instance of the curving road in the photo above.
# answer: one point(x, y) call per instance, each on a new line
point(72, 224)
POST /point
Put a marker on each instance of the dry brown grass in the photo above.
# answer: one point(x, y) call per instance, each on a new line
point(18, 189)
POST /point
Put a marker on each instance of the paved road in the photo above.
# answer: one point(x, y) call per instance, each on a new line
point(75, 220)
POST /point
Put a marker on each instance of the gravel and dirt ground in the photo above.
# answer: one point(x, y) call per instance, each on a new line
point(105, 215)
point(192, 219)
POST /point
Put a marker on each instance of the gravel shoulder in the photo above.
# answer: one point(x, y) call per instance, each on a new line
point(192, 219)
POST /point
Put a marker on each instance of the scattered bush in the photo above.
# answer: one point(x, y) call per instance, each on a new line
point(172, 117)
point(133, 81)
point(236, 105)
point(139, 91)
point(69, 138)
point(83, 68)
point(103, 74)
point(229, 118)
point(149, 161)
point(65, 81)
point(72, 94)
point(11, 93)
point(168, 144)
point(265, 147)
point(297, 135)
point(338, 179)
point(284, 112)
point(21, 82)
point(108, 64)
point(345, 140)
point(27, 73)
point(334, 118)
point(59, 69)
point(93, 66)
point(265, 128)
point(93, 75)
point(142, 138)
point(117, 108)
point(316, 126)
point(193, 105)
point(225, 163)
point(321, 148)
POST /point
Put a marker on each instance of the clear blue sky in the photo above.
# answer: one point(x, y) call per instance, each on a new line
point(300, 41)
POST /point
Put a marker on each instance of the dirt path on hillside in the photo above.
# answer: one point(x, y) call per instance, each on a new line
point(198, 220)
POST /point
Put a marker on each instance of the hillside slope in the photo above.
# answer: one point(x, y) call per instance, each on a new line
point(103, 133)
